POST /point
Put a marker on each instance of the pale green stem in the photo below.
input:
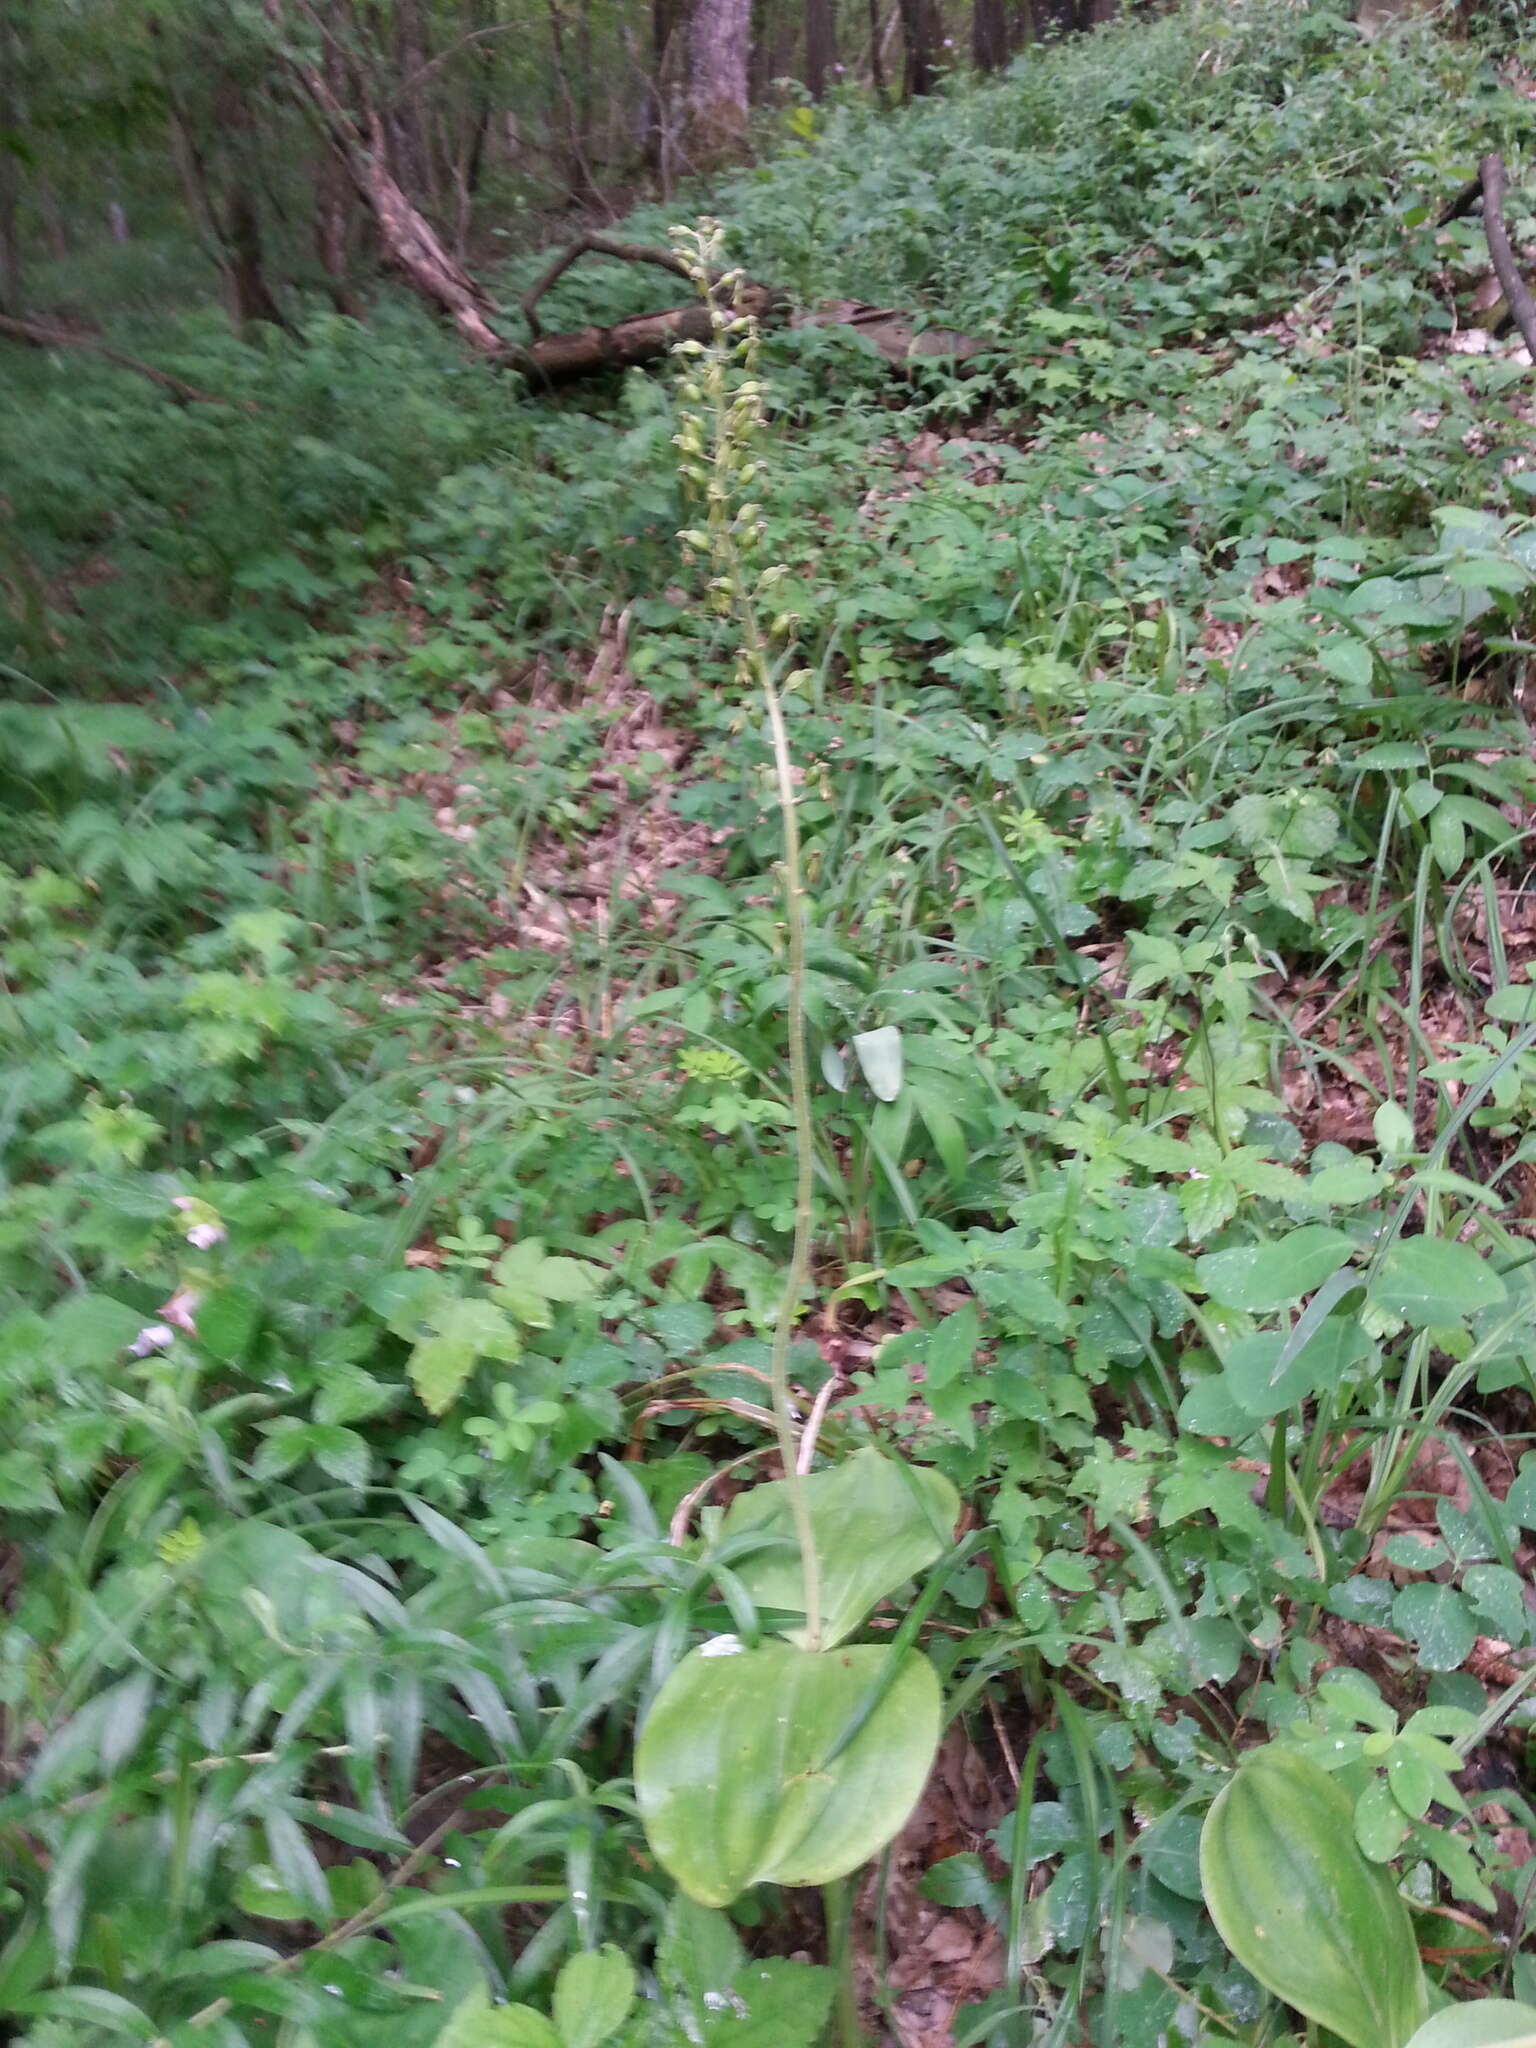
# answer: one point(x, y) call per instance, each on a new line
point(837, 1904)
point(734, 572)
point(805, 1164)
point(756, 650)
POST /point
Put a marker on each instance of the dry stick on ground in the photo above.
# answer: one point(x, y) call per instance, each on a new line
point(594, 245)
point(1516, 293)
point(555, 358)
point(41, 335)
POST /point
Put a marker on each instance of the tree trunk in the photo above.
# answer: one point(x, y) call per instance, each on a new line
point(411, 144)
point(876, 57)
point(719, 47)
point(917, 46)
point(584, 87)
point(409, 240)
point(578, 170)
point(333, 232)
point(10, 233)
point(227, 222)
point(247, 293)
point(411, 244)
point(10, 163)
point(820, 45)
point(334, 201)
point(663, 23)
point(989, 35)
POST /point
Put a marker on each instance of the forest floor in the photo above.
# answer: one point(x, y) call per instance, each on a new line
point(399, 1131)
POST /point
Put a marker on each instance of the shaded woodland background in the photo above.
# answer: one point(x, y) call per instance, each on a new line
point(302, 141)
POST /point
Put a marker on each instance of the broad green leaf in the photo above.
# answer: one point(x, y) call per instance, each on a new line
point(593, 1994)
point(961, 1881)
point(878, 1053)
point(1489, 2023)
point(464, 1330)
point(528, 1279)
point(1264, 1277)
point(1413, 1780)
point(86, 1330)
point(479, 2024)
point(1515, 1003)
point(1380, 1823)
point(1429, 1281)
point(406, 1297)
point(262, 1894)
point(877, 1522)
point(227, 1322)
point(1170, 1852)
point(1347, 659)
point(1302, 1909)
point(736, 1775)
point(697, 1958)
point(786, 2006)
point(717, 1996)
point(1248, 1368)
point(1345, 1186)
point(1439, 1620)
point(1393, 1129)
point(1448, 840)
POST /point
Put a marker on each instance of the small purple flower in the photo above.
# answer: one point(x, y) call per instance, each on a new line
point(204, 1236)
point(153, 1337)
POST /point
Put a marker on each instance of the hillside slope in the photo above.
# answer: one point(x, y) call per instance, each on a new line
point(400, 1132)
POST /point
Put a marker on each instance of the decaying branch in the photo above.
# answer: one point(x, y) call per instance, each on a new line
point(557, 358)
point(409, 240)
point(41, 335)
point(1517, 294)
point(594, 245)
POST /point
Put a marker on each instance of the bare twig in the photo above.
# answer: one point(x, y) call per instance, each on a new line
point(1516, 292)
point(593, 245)
point(42, 335)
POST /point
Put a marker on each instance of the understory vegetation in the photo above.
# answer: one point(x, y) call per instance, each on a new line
point(400, 1132)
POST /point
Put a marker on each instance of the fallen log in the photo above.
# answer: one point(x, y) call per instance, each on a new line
point(628, 344)
point(546, 360)
point(644, 337)
point(896, 335)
